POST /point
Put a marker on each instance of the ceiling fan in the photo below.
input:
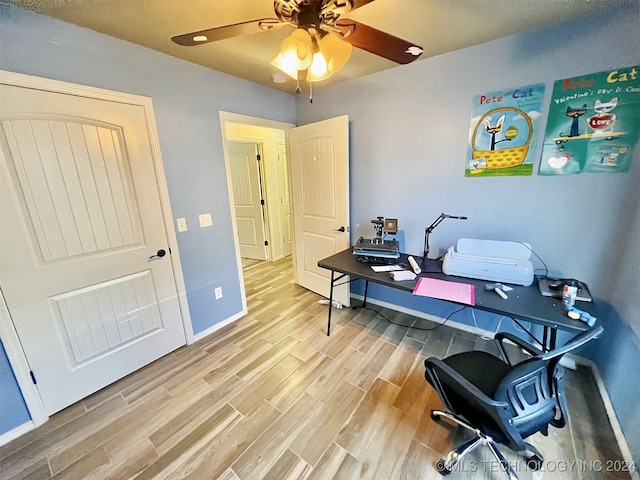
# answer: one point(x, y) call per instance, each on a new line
point(322, 41)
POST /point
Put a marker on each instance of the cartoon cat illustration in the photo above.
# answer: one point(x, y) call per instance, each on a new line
point(603, 120)
point(493, 131)
point(575, 114)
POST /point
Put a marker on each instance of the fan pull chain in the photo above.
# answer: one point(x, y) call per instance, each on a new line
point(298, 89)
point(310, 92)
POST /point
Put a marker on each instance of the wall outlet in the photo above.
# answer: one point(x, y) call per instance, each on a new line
point(205, 220)
point(182, 224)
point(218, 292)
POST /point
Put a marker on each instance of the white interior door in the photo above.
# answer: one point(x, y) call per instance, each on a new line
point(320, 185)
point(248, 199)
point(284, 200)
point(81, 221)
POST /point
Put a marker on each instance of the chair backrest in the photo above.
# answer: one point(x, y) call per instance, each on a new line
point(528, 398)
point(534, 389)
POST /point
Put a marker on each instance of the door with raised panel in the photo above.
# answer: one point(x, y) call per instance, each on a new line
point(320, 189)
point(248, 199)
point(284, 201)
point(82, 269)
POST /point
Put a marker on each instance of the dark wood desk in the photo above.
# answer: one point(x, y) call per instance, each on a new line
point(524, 303)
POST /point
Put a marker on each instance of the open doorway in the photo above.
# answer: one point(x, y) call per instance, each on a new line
point(318, 215)
point(258, 178)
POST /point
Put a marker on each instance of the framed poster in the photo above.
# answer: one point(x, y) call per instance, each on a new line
point(593, 123)
point(502, 131)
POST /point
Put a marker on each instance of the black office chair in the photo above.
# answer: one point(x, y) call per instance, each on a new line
point(500, 401)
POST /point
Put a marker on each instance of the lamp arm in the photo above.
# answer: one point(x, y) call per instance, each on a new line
point(431, 228)
point(427, 232)
point(436, 222)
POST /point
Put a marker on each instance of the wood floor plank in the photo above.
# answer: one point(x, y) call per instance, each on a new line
point(326, 423)
point(370, 415)
point(188, 413)
point(288, 391)
point(335, 463)
point(128, 459)
point(275, 439)
point(385, 454)
point(271, 396)
point(368, 368)
point(216, 459)
point(413, 395)
point(267, 359)
point(288, 467)
point(88, 463)
point(398, 366)
point(218, 421)
point(249, 398)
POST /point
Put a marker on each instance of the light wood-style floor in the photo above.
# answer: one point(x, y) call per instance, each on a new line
point(272, 397)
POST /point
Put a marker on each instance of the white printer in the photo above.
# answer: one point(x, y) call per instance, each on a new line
point(495, 260)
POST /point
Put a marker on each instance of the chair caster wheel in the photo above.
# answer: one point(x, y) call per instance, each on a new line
point(441, 467)
point(434, 415)
point(535, 462)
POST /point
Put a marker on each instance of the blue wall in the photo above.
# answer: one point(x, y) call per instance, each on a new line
point(13, 410)
point(409, 128)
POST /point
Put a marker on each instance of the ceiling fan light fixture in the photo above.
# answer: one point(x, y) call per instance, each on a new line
point(335, 50)
point(296, 52)
point(319, 68)
point(332, 54)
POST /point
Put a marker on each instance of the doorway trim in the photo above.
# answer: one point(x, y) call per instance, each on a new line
point(229, 117)
point(10, 339)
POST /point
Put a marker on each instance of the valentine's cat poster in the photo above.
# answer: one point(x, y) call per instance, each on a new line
point(593, 123)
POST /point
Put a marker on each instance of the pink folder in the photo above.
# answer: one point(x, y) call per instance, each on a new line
point(445, 290)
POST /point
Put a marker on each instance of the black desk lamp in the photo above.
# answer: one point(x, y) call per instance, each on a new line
point(432, 264)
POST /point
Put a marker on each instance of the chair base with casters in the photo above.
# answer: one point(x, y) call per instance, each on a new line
point(502, 401)
point(448, 464)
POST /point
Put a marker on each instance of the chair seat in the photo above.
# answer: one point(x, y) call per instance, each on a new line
point(484, 370)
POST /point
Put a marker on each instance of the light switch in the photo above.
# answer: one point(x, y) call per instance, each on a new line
point(182, 224)
point(205, 220)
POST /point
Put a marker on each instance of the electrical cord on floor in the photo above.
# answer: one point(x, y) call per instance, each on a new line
point(412, 325)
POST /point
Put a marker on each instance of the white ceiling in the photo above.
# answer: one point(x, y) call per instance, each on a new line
point(439, 26)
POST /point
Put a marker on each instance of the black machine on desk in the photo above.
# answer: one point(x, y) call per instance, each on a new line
point(378, 250)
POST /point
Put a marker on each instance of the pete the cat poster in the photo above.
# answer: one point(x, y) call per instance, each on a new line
point(593, 123)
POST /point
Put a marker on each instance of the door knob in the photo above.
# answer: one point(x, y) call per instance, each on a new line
point(341, 230)
point(159, 254)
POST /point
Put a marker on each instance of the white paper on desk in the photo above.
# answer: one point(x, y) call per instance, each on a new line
point(385, 268)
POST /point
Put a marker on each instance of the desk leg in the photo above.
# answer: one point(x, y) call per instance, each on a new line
point(552, 339)
point(330, 305)
point(366, 287)
point(549, 338)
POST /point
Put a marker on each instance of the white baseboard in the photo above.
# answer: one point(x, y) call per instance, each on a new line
point(611, 413)
point(16, 432)
point(218, 326)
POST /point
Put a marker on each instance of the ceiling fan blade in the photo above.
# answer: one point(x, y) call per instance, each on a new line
point(359, 3)
point(341, 6)
point(228, 31)
point(378, 42)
